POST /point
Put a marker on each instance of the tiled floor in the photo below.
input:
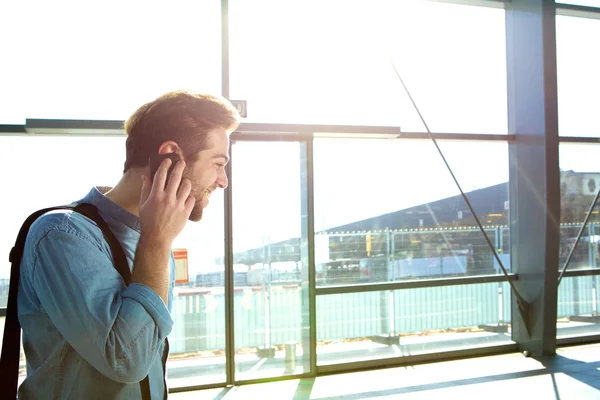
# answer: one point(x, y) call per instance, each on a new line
point(573, 374)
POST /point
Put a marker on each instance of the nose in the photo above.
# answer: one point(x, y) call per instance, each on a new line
point(222, 180)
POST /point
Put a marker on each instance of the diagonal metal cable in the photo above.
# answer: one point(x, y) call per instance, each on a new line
point(523, 306)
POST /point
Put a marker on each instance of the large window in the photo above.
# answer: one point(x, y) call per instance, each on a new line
point(578, 62)
point(76, 60)
point(329, 63)
point(388, 218)
point(578, 299)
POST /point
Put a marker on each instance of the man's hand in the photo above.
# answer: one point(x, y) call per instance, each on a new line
point(164, 209)
point(165, 206)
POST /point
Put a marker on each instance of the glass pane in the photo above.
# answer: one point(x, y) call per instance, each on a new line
point(361, 326)
point(388, 210)
point(578, 62)
point(44, 179)
point(270, 253)
point(81, 60)
point(329, 63)
point(197, 342)
point(580, 181)
point(578, 306)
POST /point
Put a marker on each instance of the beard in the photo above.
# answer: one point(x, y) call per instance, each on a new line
point(201, 197)
point(197, 211)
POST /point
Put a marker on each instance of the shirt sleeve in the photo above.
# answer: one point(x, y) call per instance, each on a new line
point(118, 329)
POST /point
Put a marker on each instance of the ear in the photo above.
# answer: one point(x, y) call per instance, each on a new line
point(170, 147)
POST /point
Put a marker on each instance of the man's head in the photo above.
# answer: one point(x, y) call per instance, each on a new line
point(194, 126)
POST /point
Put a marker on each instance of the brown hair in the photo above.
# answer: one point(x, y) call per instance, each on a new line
point(181, 116)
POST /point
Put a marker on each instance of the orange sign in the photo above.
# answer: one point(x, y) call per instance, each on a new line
point(181, 265)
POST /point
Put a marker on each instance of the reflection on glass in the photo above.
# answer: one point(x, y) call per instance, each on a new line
point(270, 268)
point(580, 182)
point(578, 62)
point(339, 70)
point(388, 210)
point(361, 326)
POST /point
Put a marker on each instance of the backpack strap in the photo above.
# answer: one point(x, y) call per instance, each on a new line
point(11, 344)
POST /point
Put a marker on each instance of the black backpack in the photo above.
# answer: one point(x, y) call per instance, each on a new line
point(11, 345)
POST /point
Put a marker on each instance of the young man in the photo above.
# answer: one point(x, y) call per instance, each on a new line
point(86, 335)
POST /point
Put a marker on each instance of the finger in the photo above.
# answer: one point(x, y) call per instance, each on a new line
point(175, 178)
point(145, 192)
point(184, 189)
point(189, 204)
point(160, 177)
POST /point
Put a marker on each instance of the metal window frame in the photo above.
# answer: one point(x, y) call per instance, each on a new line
point(578, 139)
point(534, 176)
point(573, 10)
point(582, 272)
point(413, 284)
point(229, 291)
point(437, 356)
point(578, 339)
point(282, 131)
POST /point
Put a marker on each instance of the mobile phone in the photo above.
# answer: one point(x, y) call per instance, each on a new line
point(157, 159)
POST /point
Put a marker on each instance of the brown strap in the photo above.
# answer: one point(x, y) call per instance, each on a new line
point(145, 388)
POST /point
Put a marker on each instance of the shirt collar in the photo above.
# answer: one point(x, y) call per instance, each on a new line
point(110, 209)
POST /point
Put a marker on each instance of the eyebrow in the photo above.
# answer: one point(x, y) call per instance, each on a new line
point(224, 156)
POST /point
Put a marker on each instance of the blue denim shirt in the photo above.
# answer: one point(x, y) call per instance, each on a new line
point(85, 334)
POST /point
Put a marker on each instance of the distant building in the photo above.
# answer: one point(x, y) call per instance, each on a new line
point(442, 228)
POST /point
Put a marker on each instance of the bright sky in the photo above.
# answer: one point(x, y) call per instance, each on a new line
point(103, 59)
point(329, 67)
